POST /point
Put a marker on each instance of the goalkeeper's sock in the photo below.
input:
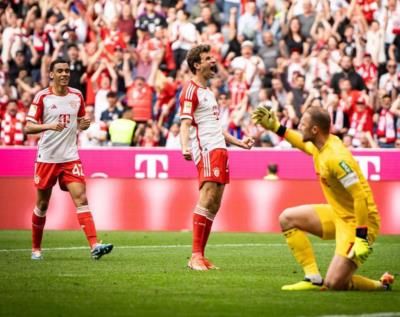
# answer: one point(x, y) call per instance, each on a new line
point(199, 228)
point(85, 219)
point(38, 222)
point(302, 250)
point(361, 283)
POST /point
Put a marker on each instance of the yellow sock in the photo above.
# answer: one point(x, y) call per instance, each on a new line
point(302, 250)
point(361, 283)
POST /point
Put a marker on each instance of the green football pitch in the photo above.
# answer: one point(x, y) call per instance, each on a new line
point(146, 275)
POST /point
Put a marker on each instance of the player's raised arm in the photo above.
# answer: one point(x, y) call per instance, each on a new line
point(268, 120)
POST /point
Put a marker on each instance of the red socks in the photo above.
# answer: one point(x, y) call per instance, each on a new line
point(87, 224)
point(199, 228)
point(207, 232)
point(37, 231)
point(202, 223)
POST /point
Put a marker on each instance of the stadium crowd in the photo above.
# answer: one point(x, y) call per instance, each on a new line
point(128, 59)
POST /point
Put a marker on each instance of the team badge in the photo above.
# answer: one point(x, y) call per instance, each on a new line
point(37, 179)
point(74, 104)
point(216, 171)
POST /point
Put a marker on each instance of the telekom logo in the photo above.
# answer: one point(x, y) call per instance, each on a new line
point(370, 173)
point(151, 162)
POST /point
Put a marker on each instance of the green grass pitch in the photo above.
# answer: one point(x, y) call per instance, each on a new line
point(146, 275)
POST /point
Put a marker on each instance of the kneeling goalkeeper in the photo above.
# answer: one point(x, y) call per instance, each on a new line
point(350, 215)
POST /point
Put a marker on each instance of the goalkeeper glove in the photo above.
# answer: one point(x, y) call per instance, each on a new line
point(361, 248)
point(267, 119)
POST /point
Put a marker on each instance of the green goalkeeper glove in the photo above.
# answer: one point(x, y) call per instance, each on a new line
point(268, 120)
point(361, 248)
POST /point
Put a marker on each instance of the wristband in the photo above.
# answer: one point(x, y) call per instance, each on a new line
point(281, 131)
point(362, 232)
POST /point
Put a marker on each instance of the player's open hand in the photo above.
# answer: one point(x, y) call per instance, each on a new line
point(187, 154)
point(360, 250)
point(247, 143)
point(84, 123)
point(266, 118)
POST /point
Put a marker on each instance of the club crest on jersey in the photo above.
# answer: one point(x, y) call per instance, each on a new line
point(216, 171)
point(37, 179)
point(187, 107)
point(74, 104)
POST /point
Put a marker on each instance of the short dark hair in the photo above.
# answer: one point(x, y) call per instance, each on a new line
point(194, 55)
point(321, 118)
point(57, 61)
point(111, 94)
point(72, 45)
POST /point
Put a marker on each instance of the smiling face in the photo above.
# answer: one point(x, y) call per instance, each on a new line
point(60, 74)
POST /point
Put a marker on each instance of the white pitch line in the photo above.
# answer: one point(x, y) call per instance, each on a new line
point(386, 314)
point(233, 245)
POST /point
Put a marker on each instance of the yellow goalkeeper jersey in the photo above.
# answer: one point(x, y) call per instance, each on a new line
point(341, 179)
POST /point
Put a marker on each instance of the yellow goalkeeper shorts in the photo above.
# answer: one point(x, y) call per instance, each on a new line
point(334, 227)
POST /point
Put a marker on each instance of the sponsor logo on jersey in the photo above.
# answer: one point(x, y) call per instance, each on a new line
point(32, 111)
point(216, 171)
point(53, 107)
point(187, 107)
point(345, 167)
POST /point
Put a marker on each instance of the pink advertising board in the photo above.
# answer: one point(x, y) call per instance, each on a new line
point(159, 163)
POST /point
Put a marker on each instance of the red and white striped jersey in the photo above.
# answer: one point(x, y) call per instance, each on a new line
point(53, 146)
point(199, 105)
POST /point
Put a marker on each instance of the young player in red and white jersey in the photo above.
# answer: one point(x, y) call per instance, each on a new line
point(58, 113)
point(204, 141)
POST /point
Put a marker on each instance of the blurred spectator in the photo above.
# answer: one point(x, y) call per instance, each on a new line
point(183, 36)
point(348, 141)
point(390, 81)
point(173, 137)
point(385, 121)
point(339, 117)
point(293, 40)
point(77, 66)
point(96, 134)
point(307, 18)
point(249, 23)
point(253, 68)
point(368, 71)
point(102, 84)
point(12, 125)
point(347, 72)
point(122, 131)
point(114, 111)
point(150, 19)
point(360, 120)
point(272, 172)
point(269, 52)
point(148, 134)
